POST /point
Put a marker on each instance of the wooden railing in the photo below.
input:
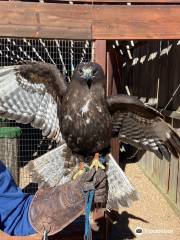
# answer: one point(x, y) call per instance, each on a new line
point(90, 21)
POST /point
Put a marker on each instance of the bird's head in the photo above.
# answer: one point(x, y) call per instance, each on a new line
point(89, 74)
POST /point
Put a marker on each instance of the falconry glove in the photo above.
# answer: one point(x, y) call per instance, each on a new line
point(95, 180)
point(54, 208)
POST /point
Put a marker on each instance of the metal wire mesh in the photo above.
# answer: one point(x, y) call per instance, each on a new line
point(65, 54)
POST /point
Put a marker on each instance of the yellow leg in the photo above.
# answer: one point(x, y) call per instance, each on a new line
point(96, 163)
point(80, 171)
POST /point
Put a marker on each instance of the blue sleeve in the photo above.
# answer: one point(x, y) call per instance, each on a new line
point(14, 206)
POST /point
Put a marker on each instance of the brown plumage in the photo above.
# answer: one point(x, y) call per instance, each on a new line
point(85, 119)
point(79, 113)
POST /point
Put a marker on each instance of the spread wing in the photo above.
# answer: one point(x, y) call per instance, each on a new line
point(32, 94)
point(142, 126)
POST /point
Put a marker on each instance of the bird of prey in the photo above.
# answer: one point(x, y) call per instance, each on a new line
point(80, 117)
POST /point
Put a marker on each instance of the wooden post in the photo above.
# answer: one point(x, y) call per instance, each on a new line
point(99, 53)
point(99, 56)
point(112, 89)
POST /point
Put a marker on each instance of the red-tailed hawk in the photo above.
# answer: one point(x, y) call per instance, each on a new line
point(83, 120)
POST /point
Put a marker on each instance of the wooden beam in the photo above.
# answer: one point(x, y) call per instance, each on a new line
point(112, 1)
point(48, 20)
point(136, 22)
point(64, 21)
point(127, 1)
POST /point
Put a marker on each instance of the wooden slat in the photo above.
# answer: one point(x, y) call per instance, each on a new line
point(136, 22)
point(164, 175)
point(178, 187)
point(45, 20)
point(115, 1)
point(113, 90)
point(79, 21)
point(149, 159)
point(173, 179)
point(156, 169)
point(109, 75)
point(176, 125)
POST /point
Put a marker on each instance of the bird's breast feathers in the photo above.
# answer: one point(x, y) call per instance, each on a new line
point(86, 124)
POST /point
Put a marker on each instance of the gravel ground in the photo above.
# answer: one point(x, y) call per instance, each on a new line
point(151, 213)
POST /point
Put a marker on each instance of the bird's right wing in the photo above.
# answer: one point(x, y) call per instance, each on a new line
point(32, 93)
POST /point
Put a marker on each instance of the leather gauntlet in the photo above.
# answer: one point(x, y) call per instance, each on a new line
point(54, 208)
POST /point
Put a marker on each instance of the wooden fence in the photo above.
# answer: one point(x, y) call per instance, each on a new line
point(155, 74)
point(165, 175)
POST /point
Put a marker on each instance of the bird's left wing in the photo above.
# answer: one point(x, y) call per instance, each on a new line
point(142, 126)
point(32, 93)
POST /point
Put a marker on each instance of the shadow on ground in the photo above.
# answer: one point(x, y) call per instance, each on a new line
point(121, 229)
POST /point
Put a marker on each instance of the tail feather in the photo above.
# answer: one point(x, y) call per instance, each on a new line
point(59, 165)
point(120, 191)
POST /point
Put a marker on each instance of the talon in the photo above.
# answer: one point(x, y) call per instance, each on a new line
point(96, 163)
point(80, 171)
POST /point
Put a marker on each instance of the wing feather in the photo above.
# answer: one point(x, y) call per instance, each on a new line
point(142, 126)
point(31, 94)
point(120, 192)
